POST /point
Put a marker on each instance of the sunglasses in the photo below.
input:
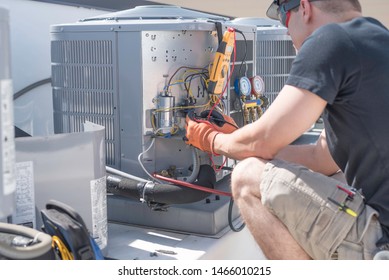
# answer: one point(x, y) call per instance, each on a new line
point(283, 10)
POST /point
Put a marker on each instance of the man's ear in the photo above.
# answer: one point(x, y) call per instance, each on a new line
point(306, 10)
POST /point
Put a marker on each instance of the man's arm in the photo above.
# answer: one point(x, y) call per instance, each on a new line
point(316, 156)
point(291, 114)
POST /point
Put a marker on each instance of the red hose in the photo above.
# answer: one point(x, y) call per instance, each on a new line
point(192, 186)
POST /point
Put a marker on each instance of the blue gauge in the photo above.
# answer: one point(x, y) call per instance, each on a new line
point(244, 86)
point(258, 85)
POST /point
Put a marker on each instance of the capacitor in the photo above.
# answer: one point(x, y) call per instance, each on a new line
point(165, 114)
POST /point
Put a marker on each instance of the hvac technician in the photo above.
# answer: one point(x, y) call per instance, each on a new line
point(290, 205)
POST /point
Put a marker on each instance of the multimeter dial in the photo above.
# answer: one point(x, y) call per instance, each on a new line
point(258, 85)
point(244, 86)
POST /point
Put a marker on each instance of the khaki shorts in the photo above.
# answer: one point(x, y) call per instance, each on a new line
point(299, 198)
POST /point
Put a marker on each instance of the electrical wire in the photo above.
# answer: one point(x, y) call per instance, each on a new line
point(245, 53)
point(61, 248)
point(125, 175)
point(191, 178)
point(140, 156)
point(177, 70)
point(41, 243)
point(230, 222)
point(31, 87)
point(240, 70)
point(241, 110)
point(217, 169)
point(221, 97)
point(188, 80)
point(173, 130)
point(196, 166)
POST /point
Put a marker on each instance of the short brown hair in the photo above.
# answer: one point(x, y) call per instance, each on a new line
point(338, 6)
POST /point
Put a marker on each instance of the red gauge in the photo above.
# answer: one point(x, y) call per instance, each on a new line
point(257, 85)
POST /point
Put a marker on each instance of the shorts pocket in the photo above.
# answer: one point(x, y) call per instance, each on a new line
point(350, 251)
point(312, 230)
point(315, 216)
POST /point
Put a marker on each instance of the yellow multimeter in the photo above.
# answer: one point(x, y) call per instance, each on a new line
point(221, 62)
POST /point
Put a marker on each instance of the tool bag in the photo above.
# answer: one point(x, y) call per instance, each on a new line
point(71, 239)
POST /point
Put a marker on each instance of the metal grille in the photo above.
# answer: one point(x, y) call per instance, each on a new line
point(83, 88)
point(275, 54)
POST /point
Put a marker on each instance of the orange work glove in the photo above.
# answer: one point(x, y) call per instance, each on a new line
point(224, 124)
point(200, 134)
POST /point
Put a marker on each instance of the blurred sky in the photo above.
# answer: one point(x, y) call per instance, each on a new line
point(257, 8)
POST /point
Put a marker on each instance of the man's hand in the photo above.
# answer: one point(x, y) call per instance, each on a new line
point(201, 132)
point(224, 124)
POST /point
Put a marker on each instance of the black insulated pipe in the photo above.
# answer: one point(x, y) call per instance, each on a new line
point(162, 193)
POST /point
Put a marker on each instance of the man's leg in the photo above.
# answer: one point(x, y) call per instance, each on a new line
point(269, 232)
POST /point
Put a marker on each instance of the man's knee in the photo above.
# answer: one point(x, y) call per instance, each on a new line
point(246, 177)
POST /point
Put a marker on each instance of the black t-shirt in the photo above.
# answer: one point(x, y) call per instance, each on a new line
point(347, 65)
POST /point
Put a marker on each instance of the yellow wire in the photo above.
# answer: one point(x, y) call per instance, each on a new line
point(181, 108)
point(61, 247)
point(175, 129)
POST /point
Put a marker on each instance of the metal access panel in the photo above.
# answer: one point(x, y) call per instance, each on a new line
point(162, 53)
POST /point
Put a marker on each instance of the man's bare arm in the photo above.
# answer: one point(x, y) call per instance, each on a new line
point(316, 156)
point(291, 114)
